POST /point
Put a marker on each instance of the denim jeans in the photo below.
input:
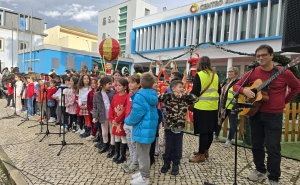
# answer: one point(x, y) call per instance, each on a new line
point(267, 128)
point(30, 106)
point(232, 123)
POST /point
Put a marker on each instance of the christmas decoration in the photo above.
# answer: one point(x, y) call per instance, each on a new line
point(109, 49)
point(194, 61)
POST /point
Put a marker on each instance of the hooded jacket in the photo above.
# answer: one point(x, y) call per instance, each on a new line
point(143, 117)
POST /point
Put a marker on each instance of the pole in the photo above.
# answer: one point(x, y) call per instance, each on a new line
point(23, 47)
point(18, 44)
point(12, 44)
point(31, 39)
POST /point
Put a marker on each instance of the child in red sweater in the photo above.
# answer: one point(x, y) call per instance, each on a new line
point(50, 101)
point(116, 117)
point(10, 92)
point(94, 86)
point(30, 94)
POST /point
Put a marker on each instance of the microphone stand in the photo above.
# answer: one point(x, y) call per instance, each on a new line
point(63, 142)
point(236, 109)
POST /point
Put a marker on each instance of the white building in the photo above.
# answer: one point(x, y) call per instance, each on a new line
point(15, 35)
point(116, 22)
point(238, 25)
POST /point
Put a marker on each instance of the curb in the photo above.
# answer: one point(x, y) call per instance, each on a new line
point(13, 175)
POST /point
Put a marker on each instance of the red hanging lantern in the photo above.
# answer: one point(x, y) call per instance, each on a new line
point(109, 49)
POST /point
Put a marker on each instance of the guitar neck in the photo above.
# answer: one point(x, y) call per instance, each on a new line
point(266, 83)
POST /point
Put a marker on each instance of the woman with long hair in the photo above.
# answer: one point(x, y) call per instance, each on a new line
point(206, 87)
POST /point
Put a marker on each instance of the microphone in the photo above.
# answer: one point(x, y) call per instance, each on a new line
point(254, 65)
point(62, 87)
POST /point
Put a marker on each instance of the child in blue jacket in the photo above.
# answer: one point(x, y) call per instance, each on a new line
point(143, 118)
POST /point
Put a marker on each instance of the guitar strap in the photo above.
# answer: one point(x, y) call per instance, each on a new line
point(274, 70)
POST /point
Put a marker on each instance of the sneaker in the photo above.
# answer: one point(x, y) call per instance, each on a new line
point(51, 120)
point(132, 167)
point(273, 182)
point(78, 131)
point(216, 138)
point(140, 181)
point(175, 169)
point(12, 108)
point(90, 138)
point(227, 143)
point(134, 176)
point(256, 175)
point(74, 130)
point(165, 168)
point(82, 131)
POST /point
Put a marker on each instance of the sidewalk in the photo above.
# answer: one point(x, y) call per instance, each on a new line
point(83, 165)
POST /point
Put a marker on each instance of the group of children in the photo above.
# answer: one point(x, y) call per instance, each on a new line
point(126, 113)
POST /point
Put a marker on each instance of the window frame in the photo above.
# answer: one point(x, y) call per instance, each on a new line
point(2, 44)
point(23, 42)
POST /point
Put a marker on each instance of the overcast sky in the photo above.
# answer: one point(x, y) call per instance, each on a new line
point(79, 13)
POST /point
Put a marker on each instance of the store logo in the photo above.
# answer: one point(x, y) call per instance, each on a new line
point(194, 8)
point(109, 20)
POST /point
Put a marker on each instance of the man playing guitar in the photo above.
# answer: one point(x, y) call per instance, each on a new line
point(266, 124)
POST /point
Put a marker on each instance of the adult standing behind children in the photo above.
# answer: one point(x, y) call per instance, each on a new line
point(143, 119)
point(206, 87)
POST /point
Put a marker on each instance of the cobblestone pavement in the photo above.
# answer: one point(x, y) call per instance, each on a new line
point(82, 165)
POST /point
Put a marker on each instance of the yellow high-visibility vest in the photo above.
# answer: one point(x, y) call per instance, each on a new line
point(230, 96)
point(210, 98)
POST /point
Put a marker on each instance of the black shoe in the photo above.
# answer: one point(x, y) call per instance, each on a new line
point(117, 151)
point(104, 148)
point(175, 169)
point(57, 123)
point(122, 157)
point(84, 135)
point(165, 168)
point(96, 140)
point(111, 151)
point(98, 145)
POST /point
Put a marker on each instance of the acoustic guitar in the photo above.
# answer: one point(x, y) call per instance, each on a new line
point(261, 93)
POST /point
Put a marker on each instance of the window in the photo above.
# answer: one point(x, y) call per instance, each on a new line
point(211, 29)
point(22, 22)
point(123, 47)
point(123, 28)
point(23, 45)
point(227, 24)
point(123, 16)
point(263, 21)
point(281, 19)
point(253, 23)
point(147, 12)
point(219, 27)
point(244, 24)
point(122, 35)
point(124, 22)
point(122, 41)
point(1, 12)
point(273, 21)
point(124, 9)
point(1, 44)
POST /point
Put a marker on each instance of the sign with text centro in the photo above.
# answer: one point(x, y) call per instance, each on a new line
point(211, 4)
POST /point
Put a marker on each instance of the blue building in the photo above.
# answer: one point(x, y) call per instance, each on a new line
point(46, 57)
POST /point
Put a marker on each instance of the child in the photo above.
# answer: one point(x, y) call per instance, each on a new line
point(116, 117)
point(60, 108)
point(176, 104)
point(76, 93)
point(10, 92)
point(94, 86)
point(18, 86)
point(84, 89)
point(41, 99)
point(30, 94)
point(71, 104)
point(50, 101)
point(134, 86)
point(101, 106)
point(143, 118)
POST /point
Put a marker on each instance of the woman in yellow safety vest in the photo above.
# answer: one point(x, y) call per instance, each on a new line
point(226, 103)
point(206, 87)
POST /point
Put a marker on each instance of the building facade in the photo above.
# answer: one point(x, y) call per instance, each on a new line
point(15, 35)
point(116, 22)
point(47, 57)
point(72, 37)
point(238, 25)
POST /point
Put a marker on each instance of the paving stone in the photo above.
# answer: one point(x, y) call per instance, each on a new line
point(83, 165)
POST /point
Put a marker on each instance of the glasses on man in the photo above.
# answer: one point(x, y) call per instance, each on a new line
point(262, 55)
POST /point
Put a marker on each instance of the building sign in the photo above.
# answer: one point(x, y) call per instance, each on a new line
point(212, 4)
point(109, 20)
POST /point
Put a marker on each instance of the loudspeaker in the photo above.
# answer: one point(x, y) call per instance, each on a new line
point(291, 26)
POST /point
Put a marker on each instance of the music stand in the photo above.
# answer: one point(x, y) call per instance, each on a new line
point(63, 142)
point(236, 109)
